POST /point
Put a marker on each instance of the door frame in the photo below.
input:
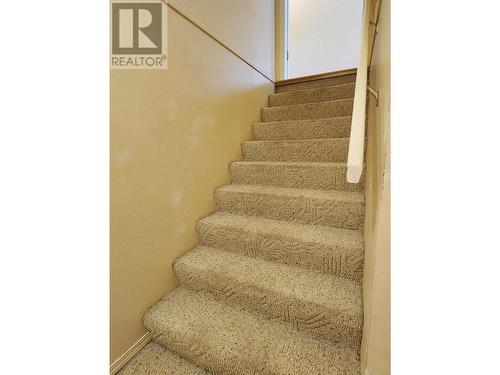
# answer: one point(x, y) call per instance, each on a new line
point(281, 39)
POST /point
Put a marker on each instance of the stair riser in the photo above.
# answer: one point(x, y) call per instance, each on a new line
point(335, 213)
point(196, 348)
point(341, 80)
point(154, 358)
point(303, 129)
point(331, 150)
point(199, 351)
point(334, 260)
point(336, 108)
point(314, 177)
point(316, 319)
point(312, 96)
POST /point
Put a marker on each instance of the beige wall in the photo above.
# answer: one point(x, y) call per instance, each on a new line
point(323, 35)
point(173, 134)
point(376, 280)
point(246, 26)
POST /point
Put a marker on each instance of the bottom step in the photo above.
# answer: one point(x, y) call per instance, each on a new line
point(154, 359)
point(227, 340)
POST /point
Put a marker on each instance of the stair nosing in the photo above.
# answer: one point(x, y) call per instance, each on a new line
point(307, 276)
point(314, 88)
point(291, 163)
point(356, 234)
point(313, 103)
point(300, 120)
point(348, 196)
point(291, 85)
point(310, 140)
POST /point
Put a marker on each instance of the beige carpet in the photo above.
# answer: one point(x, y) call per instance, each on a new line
point(275, 285)
point(155, 359)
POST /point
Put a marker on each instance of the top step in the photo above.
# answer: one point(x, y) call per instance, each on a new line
point(334, 81)
point(318, 94)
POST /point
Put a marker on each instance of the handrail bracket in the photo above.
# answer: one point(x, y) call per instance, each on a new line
point(375, 94)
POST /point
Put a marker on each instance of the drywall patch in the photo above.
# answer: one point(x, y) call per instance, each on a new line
point(123, 157)
point(172, 110)
point(176, 198)
point(180, 229)
point(200, 124)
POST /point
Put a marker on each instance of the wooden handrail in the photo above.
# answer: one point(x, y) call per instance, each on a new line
point(355, 158)
point(199, 27)
point(375, 24)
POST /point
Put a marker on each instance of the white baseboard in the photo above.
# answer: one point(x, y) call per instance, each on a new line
point(133, 350)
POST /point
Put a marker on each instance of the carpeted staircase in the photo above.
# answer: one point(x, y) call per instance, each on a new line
point(275, 285)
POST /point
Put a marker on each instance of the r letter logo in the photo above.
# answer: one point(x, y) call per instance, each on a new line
point(138, 34)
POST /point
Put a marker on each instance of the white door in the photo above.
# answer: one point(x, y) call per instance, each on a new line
point(323, 36)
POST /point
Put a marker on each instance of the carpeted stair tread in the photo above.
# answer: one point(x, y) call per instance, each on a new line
point(321, 207)
point(313, 150)
point(155, 359)
point(334, 127)
point(227, 340)
point(318, 94)
point(331, 108)
point(325, 249)
point(307, 300)
point(334, 81)
point(301, 175)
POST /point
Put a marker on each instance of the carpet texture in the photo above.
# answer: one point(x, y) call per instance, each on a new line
point(274, 287)
point(324, 109)
point(303, 175)
point(224, 339)
point(312, 95)
point(155, 359)
point(327, 250)
point(326, 149)
point(334, 127)
point(341, 80)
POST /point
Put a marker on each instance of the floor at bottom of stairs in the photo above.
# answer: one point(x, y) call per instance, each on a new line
point(154, 359)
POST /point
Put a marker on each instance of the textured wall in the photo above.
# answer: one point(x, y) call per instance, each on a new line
point(376, 280)
point(173, 134)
